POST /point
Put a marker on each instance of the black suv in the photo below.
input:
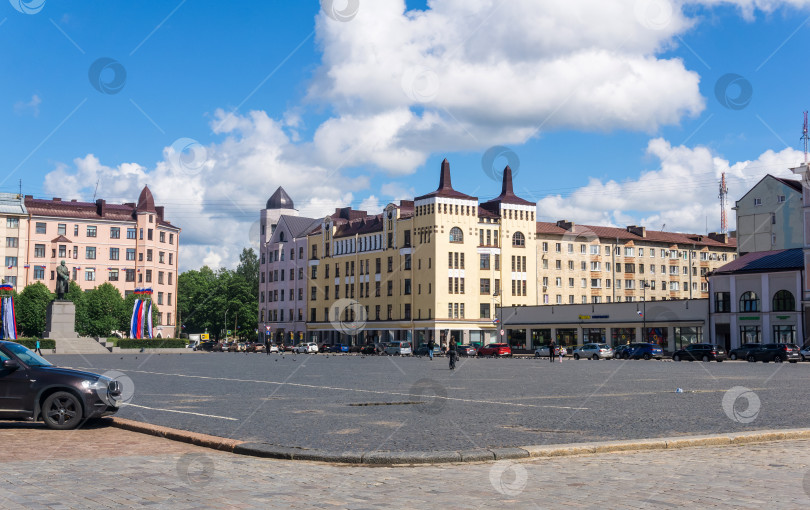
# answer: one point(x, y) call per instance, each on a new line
point(33, 389)
point(703, 352)
point(776, 353)
point(743, 351)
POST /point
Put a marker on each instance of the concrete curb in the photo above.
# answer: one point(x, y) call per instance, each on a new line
point(380, 458)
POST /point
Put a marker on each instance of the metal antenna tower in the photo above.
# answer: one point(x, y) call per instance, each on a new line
point(723, 202)
point(804, 137)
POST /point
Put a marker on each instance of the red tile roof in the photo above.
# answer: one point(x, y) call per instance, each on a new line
point(658, 236)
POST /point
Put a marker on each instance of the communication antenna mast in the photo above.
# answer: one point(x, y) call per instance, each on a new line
point(723, 200)
point(804, 136)
point(96, 191)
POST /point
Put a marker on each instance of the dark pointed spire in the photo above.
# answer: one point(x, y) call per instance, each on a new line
point(444, 177)
point(506, 189)
point(446, 186)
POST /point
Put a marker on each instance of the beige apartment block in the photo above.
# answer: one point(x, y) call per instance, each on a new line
point(13, 238)
point(592, 264)
point(128, 245)
point(432, 268)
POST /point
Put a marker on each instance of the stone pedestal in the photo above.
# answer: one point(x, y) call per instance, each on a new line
point(60, 321)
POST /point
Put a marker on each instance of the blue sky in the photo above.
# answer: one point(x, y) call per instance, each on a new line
point(611, 108)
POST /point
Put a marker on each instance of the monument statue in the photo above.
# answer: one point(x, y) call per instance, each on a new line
point(62, 279)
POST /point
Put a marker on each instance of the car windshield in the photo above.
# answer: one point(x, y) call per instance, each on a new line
point(26, 356)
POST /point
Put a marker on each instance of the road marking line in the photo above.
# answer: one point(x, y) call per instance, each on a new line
point(182, 412)
point(312, 386)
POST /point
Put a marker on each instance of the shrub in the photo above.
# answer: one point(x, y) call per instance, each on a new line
point(31, 343)
point(153, 343)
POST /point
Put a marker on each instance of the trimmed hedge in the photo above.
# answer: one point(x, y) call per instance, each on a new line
point(31, 343)
point(153, 343)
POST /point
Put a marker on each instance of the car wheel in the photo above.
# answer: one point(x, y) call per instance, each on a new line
point(705, 358)
point(733, 357)
point(794, 361)
point(62, 411)
point(751, 358)
point(778, 359)
point(803, 358)
point(646, 356)
point(536, 354)
point(595, 357)
point(576, 356)
point(676, 358)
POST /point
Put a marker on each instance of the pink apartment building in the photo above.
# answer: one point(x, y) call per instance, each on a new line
point(128, 245)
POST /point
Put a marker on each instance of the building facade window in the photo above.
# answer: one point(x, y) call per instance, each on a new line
point(456, 236)
point(518, 240)
point(749, 302)
point(783, 301)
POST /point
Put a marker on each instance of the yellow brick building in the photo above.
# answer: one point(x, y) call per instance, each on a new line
point(435, 267)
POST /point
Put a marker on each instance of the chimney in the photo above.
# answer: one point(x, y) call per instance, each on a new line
point(159, 211)
point(100, 206)
point(57, 199)
point(639, 231)
point(74, 200)
point(565, 224)
point(720, 238)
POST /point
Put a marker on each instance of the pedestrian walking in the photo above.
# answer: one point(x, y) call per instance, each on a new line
point(38, 349)
point(452, 353)
point(551, 351)
point(431, 346)
point(267, 345)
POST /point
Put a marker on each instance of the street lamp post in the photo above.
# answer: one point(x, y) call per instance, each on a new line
point(225, 332)
point(644, 286)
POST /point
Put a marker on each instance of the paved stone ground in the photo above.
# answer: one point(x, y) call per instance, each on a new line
point(111, 468)
point(353, 403)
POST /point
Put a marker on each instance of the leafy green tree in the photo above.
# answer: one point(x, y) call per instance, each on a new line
point(32, 307)
point(248, 269)
point(103, 305)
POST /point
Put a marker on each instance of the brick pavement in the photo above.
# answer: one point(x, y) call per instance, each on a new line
point(113, 468)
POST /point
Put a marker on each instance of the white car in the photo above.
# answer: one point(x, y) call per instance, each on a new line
point(805, 352)
point(273, 348)
point(541, 352)
point(306, 348)
point(593, 351)
point(312, 348)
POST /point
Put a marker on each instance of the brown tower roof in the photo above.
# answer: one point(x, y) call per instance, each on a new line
point(507, 195)
point(146, 202)
point(445, 186)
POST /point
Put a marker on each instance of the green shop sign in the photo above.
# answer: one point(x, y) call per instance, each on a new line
point(783, 317)
point(749, 318)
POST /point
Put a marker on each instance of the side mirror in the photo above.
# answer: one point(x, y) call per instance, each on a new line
point(10, 364)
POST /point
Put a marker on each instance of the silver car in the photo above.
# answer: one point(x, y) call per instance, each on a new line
point(593, 351)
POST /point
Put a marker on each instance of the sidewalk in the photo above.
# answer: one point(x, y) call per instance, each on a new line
point(110, 468)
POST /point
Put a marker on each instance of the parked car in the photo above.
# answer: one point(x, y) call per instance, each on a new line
point(542, 351)
point(702, 352)
point(273, 348)
point(805, 352)
point(338, 348)
point(621, 351)
point(399, 348)
point(467, 350)
point(232, 347)
point(206, 346)
point(776, 353)
point(495, 350)
point(645, 350)
point(422, 350)
point(257, 347)
point(742, 351)
point(368, 349)
point(593, 351)
point(300, 348)
point(218, 347)
point(34, 389)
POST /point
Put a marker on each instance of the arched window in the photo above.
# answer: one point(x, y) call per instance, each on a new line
point(749, 302)
point(281, 237)
point(783, 301)
point(456, 236)
point(518, 239)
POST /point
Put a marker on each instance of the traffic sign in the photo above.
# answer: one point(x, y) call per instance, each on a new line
point(502, 332)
